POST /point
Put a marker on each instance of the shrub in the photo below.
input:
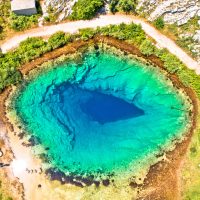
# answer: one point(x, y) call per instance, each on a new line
point(159, 23)
point(85, 9)
point(4, 16)
point(147, 48)
point(30, 49)
point(127, 5)
point(122, 5)
point(9, 62)
point(113, 6)
point(8, 77)
point(21, 22)
point(171, 62)
point(86, 33)
point(131, 32)
point(57, 40)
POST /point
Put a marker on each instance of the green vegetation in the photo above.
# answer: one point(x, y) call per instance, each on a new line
point(21, 22)
point(4, 15)
point(159, 23)
point(35, 47)
point(85, 9)
point(52, 16)
point(9, 21)
point(191, 26)
point(183, 35)
point(87, 33)
point(28, 50)
point(59, 39)
point(126, 6)
point(147, 48)
point(2, 197)
point(174, 65)
point(132, 32)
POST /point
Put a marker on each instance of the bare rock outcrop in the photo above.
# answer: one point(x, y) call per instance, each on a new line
point(173, 11)
point(62, 8)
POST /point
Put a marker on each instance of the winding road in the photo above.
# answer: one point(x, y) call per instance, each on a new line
point(103, 20)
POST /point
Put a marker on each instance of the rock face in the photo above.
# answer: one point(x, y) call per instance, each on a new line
point(179, 12)
point(173, 11)
point(61, 7)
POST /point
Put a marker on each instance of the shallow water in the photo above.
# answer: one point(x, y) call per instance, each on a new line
point(103, 115)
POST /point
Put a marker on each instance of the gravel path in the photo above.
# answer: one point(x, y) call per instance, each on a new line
point(104, 20)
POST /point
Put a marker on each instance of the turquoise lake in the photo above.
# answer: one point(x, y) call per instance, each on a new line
point(102, 115)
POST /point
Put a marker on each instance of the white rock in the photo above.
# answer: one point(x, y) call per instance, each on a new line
point(173, 11)
point(61, 7)
point(196, 37)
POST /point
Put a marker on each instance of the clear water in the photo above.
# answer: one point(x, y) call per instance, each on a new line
point(102, 115)
point(105, 108)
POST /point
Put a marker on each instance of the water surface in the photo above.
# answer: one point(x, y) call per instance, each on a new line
point(103, 115)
